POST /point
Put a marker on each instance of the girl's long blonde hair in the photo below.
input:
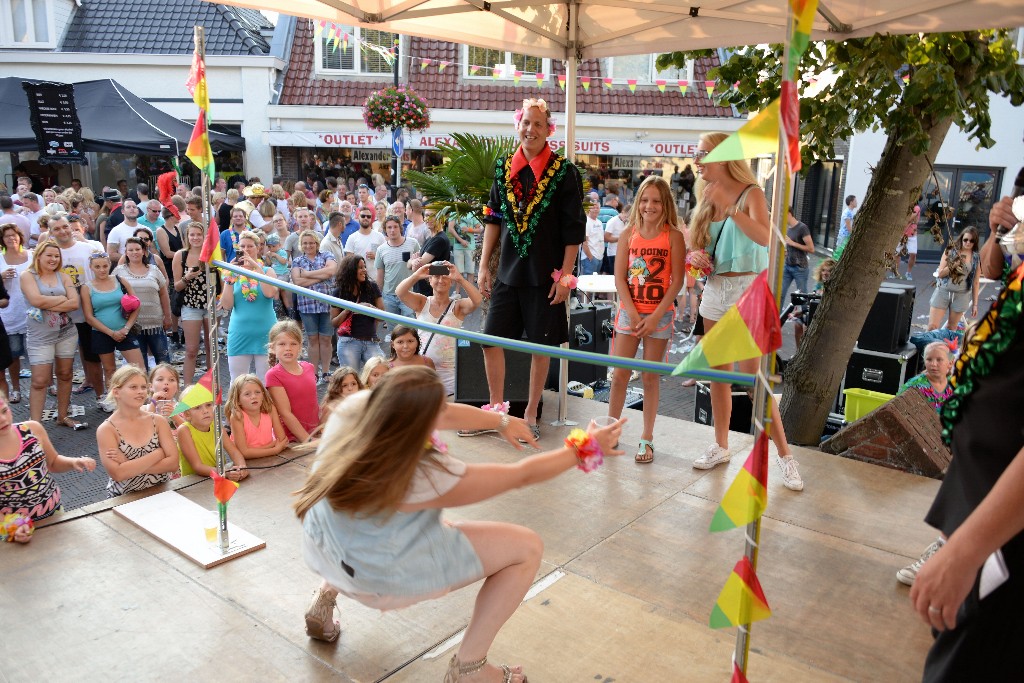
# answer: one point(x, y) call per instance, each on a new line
point(739, 169)
point(235, 395)
point(668, 202)
point(122, 376)
point(368, 470)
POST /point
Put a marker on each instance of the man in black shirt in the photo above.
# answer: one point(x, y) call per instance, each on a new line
point(536, 214)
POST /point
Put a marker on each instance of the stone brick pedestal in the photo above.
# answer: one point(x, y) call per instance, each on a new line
point(903, 434)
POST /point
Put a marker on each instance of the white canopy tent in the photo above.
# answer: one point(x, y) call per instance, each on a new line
point(607, 28)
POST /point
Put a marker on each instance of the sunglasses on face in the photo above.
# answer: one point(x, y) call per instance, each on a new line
point(967, 240)
point(700, 154)
point(365, 215)
point(147, 240)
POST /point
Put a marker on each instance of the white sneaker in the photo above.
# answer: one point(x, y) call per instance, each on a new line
point(907, 575)
point(790, 475)
point(714, 455)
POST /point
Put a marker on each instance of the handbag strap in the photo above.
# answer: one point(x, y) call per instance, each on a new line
point(426, 346)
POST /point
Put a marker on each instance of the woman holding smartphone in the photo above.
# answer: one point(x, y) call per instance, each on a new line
point(189, 282)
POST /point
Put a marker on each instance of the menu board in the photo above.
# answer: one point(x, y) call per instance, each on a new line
point(55, 122)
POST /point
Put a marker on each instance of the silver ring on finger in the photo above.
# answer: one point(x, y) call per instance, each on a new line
point(934, 610)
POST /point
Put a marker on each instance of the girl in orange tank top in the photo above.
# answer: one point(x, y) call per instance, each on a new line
point(647, 279)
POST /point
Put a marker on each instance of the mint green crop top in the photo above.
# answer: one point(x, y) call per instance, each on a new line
point(734, 252)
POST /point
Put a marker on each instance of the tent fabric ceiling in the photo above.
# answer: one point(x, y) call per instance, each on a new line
point(112, 118)
point(608, 28)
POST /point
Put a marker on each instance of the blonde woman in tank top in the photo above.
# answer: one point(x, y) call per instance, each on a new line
point(732, 224)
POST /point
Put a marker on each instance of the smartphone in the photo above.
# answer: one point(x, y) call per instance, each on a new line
point(438, 268)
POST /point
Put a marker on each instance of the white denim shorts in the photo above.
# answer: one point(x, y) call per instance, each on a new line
point(721, 293)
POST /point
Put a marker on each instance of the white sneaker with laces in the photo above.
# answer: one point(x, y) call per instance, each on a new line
point(790, 475)
point(907, 575)
point(714, 455)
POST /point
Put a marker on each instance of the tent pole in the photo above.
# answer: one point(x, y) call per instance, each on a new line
point(214, 326)
point(779, 211)
point(571, 67)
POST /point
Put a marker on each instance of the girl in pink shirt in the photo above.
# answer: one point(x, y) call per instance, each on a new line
point(292, 383)
point(255, 426)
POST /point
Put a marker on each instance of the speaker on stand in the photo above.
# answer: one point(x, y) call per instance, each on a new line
point(471, 378)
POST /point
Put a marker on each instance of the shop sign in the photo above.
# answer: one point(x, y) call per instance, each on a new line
point(371, 156)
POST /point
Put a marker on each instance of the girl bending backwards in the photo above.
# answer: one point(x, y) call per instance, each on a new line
point(343, 383)
point(197, 446)
point(405, 349)
point(255, 425)
point(647, 281)
point(136, 447)
point(381, 482)
point(292, 382)
point(27, 462)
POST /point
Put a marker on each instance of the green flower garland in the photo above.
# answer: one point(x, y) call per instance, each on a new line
point(994, 335)
point(524, 223)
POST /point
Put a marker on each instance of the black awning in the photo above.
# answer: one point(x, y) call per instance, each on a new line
point(112, 118)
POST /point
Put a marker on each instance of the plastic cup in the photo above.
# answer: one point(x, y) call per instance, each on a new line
point(164, 407)
point(211, 526)
point(603, 421)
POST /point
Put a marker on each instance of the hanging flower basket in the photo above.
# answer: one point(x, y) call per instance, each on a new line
point(396, 107)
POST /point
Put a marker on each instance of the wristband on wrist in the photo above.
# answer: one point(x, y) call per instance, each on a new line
point(588, 453)
point(569, 280)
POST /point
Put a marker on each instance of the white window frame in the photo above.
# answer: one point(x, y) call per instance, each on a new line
point(507, 71)
point(7, 40)
point(608, 66)
point(356, 33)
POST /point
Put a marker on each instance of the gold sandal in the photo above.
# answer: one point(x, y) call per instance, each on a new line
point(321, 614)
point(457, 670)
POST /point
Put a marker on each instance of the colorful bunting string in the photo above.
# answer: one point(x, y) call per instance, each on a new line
point(199, 151)
point(540, 79)
point(661, 85)
point(607, 83)
point(683, 85)
point(747, 496)
point(742, 600)
point(561, 81)
point(632, 84)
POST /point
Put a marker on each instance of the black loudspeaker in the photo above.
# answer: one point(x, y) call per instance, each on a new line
point(590, 329)
point(471, 378)
point(741, 419)
point(887, 327)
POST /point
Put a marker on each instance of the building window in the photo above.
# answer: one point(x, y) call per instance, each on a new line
point(27, 23)
point(364, 55)
point(506, 62)
point(643, 69)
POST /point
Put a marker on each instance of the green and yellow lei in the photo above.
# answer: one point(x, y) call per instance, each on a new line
point(523, 223)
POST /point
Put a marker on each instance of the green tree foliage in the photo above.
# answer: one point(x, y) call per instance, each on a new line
point(859, 86)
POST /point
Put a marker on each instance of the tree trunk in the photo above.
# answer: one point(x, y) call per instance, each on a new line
point(814, 375)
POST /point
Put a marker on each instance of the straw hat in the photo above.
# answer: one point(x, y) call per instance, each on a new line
point(255, 190)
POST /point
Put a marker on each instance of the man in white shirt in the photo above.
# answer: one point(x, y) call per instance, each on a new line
point(33, 210)
point(612, 230)
point(365, 242)
point(593, 247)
point(331, 243)
point(116, 238)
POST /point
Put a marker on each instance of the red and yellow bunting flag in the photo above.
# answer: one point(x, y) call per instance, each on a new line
point(496, 72)
point(607, 83)
point(709, 86)
point(424, 63)
point(211, 250)
point(561, 81)
point(749, 329)
point(631, 82)
point(741, 601)
point(661, 85)
point(223, 488)
point(683, 85)
point(196, 83)
point(585, 82)
point(747, 496)
point(344, 42)
point(737, 674)
point(199, 150)
point(803, 24)
point(759, 135)
point(540, 79)
point(516, 77)
point(442, 66)
point(474, 69)
point(789, 117)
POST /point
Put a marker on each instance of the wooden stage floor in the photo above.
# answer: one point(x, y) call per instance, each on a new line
point(630, 575)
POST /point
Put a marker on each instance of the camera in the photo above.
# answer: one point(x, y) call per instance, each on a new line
point(438, 268)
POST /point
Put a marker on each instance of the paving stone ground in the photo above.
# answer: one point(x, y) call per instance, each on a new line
point(79, 489)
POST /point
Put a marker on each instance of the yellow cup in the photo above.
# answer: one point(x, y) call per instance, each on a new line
point(211, 526)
